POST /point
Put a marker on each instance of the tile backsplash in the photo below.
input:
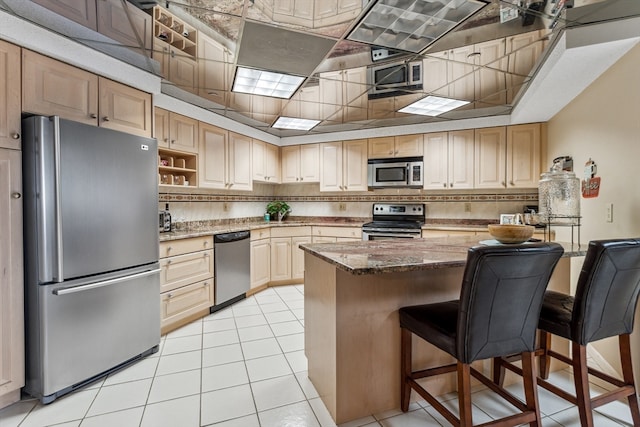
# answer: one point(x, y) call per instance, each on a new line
point(306, 200)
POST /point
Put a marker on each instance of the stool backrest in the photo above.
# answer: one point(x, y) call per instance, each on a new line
point(607, 291)
point(501, 297)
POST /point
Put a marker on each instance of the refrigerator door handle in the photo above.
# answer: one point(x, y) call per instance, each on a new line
point(81, 288)
point(58, 273)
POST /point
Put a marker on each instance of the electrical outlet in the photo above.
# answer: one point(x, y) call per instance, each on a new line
point(610, 212)
point(467, 207)
point(342, 206)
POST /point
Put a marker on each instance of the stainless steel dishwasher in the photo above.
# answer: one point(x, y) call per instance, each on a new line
point(232, 258)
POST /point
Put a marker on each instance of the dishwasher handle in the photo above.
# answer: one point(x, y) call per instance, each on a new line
point(231, 237)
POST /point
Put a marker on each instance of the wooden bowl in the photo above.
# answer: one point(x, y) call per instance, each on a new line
point(511, 233)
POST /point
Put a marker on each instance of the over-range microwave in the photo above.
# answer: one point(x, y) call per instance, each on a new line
point(406, 172)
point(387, 79)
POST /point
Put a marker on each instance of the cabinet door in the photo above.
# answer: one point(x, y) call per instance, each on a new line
point(310, 162)
point(11, 282)
point(355, 165)
point(297, 256)
point(491, 80)
point(331, 96)
point(161, 127)
point(381, 148)
point(280, 258)
point(461, 73)
point(213, 73)
point(309, 102)
point(183, 133)
point(212, 157)
point(271, 163)
point(10, 96)
point(523, 156)
point(436, 163)
point(290, 163)
point(436, 72)
point(490, 157)
point(355, 94)
point(523, 50)
point(124, 108)
point(183, 70)
point(260, 262)
point(176, 306)
point(259, 160)
point(461, 144)
point(126, 24)
point(409, 145)
point(239, 162)
point(81, 11)
point(50, 87)
point(331, 166)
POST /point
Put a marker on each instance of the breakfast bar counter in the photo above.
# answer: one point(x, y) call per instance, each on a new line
point(353, 291)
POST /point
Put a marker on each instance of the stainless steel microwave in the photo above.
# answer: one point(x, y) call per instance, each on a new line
point(407, 172)
point(390, 78)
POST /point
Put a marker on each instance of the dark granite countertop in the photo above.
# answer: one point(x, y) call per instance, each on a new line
point(387, 256)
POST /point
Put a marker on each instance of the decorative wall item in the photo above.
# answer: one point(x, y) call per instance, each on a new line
point(590, 182)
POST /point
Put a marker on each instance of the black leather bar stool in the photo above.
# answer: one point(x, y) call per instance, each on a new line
point(604, 306)
point(496, 315)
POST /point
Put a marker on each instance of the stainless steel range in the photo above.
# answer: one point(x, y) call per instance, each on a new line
point(395, 221)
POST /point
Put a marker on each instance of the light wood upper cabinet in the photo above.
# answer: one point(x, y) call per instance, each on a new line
point(490, 157)
point(161, 127)
point(183, 133)
point(11, 281)
point(177, 67)
point(491, 76)
point(300, 163)
point(214, 69)
point(83, 12)
point(508, 157)
point(343, 166)
point(344, 87)
point(266, 162)
point(224, 159)
point(523, 155)
point(51, 87)
point(125, 23)
point(10, 125)
point(523, 52)
point(448, 160)
point(124, 108)
point(396, 146)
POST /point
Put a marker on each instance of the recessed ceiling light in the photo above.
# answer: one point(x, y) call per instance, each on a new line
point(266, 83)
point(411, 25)
point(433, 106)
point(294, 123)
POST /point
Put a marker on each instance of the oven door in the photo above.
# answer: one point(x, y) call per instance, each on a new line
point(390, 235)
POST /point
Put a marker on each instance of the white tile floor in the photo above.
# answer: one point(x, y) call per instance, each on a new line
point(245, 367)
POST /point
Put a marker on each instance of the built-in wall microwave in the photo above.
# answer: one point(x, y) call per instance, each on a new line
point(406, 172)
point(388, 79)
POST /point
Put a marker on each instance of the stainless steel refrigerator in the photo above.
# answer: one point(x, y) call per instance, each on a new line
point(92, 282)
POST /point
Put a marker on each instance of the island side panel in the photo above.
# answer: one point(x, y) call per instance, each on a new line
point(320, 328)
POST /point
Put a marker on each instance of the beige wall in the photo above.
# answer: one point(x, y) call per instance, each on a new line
point(603, 123)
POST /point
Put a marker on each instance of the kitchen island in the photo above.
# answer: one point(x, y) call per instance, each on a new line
point(353, 291)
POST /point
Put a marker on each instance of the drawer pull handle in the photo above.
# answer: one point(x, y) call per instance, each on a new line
point(106, 118)
point(15, 135)
point(93, 115)
point(169, 295)
point(16, 195)
point(168, 261)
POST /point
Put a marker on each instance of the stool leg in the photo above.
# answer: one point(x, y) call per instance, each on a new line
point(545, 359)
point(498, 371)
point(405, 368)
point(464, 394)
point(627, 374)
point(579, 353)
point(530, 384)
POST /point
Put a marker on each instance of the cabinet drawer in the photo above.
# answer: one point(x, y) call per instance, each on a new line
point(185, 246)
point(183, 302)
point(185, 269)
point(290, 231)
point(262, 233)
point(350, 232)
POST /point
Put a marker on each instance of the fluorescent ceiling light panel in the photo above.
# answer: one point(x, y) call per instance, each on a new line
point(432, 106)
point(294, 123)
point(412, 25)
point(266, 83)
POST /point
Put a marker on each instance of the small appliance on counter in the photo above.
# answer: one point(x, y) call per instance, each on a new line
point(164, 219)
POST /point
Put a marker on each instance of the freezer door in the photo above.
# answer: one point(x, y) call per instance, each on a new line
point(95, 196)
point(86, 328)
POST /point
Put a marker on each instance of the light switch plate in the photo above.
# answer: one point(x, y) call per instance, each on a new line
point(610, 212)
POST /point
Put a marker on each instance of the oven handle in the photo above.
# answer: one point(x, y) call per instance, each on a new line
point(400, 235)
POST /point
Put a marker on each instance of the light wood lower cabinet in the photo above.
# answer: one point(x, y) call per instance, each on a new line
point(186, 281)
point(10, 96)
point(11, 281)
point(260, 257)
point(287, 259)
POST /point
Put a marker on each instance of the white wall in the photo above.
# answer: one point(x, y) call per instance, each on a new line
point(603, 123)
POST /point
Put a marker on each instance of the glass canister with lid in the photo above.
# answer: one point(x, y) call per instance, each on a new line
point(559, 197)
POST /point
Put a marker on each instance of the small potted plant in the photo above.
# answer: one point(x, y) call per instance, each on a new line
point(278, 209)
